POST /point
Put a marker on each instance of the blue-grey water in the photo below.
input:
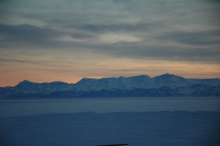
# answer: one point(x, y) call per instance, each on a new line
point(182, 121)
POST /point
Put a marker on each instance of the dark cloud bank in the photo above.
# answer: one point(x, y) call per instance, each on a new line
point(150, 21)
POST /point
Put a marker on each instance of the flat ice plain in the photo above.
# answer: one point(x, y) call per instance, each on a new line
point(167, 121)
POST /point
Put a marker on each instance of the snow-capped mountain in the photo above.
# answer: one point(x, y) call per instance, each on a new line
point(143, 85)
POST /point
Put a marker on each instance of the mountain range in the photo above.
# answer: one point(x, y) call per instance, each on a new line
point(136, 86)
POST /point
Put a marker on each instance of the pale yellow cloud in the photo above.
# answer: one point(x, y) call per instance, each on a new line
point(114, 37)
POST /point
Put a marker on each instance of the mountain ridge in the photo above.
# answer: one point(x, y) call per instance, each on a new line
point(135, 86)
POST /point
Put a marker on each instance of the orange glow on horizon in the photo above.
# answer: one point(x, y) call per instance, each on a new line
point(70, 70)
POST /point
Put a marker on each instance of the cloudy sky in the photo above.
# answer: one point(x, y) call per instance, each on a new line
point(54, 40)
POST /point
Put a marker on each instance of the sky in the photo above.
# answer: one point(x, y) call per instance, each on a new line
point(53, 40)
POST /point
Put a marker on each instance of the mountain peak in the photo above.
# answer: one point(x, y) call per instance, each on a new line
point(24, 83)
point(167, 75)
point(170, 80)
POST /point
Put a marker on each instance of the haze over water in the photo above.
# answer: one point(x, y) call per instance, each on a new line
point(167, 121)
point(25, 107)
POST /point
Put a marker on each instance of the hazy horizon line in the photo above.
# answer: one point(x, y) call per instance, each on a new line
point(102, 78)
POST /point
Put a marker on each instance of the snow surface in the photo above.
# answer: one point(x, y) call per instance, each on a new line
point(142, 81)
point(163, 85)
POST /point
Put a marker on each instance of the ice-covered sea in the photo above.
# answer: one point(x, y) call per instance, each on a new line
point(173, 121)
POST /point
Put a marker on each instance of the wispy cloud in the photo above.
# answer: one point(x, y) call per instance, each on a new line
point(193, 38)
point(25, 34)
